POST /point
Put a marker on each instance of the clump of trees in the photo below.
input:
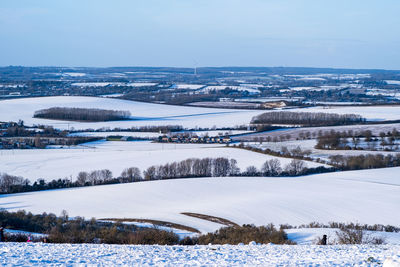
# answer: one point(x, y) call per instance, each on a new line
point(307, 118)
point(81, 231)
point(15, 184)
point(368, 161)
point(206, 167)
point(347, 236)
point(9, 181)
point(351, 140)
point(82, 114)
point(244, 234)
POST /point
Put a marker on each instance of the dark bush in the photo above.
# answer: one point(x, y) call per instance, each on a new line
point(245, 234)
point(82, 114)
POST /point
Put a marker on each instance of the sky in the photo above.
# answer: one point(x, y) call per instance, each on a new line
point(187, 33)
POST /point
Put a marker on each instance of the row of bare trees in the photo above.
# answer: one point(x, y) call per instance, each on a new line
point(82, 114)
point(8, 181)
point(306, 118)
point(206, 167)
point(273, 167)
point(350, 140)
point(189, 168)
point(369, 161)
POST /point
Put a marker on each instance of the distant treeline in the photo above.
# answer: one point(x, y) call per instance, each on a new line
point(82, 114)
point(306, 118)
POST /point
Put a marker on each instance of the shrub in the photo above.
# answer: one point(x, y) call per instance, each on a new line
point(82, 114)
point(245, 234)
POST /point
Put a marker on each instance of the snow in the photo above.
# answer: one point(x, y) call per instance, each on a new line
point(393, 261)
point(365, 197)
point(39, 254)
point(144, 114)
point(116, 156)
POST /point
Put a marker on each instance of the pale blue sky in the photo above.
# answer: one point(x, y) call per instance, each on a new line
point(314, 33)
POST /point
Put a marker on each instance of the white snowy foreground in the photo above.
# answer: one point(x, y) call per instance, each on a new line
point(38, 254)
point(144, 114)
point(367, 196)
point(33, 164)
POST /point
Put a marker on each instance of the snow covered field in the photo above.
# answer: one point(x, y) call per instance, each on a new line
point(367, 196)
point(145, 114)
point(23, 254)
point(57, 163)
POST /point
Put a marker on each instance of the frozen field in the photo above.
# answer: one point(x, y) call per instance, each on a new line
point(57, 163)
point(37, 254)
point(145, 114)
point(368, 196)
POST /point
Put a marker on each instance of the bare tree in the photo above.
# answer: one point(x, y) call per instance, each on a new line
point(271, 167)
point(295, 167)
point(251, 171)
point(82, 178)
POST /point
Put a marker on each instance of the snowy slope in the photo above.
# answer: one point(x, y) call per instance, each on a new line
point(37, 254)
point(144, 113)
point(368, 196)
point(116, 156)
